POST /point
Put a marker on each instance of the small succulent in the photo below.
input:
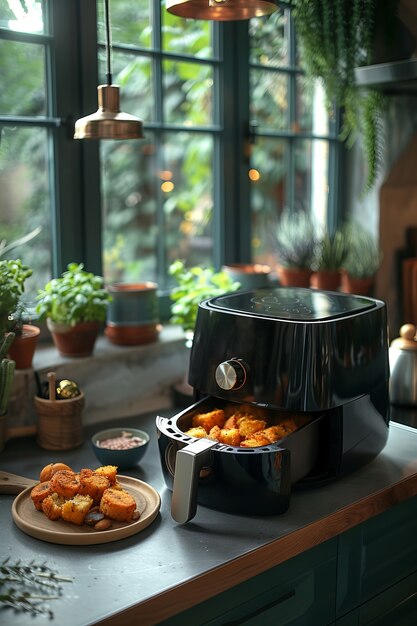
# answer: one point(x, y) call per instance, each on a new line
point(296, 241)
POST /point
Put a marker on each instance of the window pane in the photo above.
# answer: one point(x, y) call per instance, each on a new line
point(186, 36)
point(311, 177)
point(129, 200)
point(133, 73)
point(25, 200)
point(269, 40)
point(269, 99)
point(269, 163)
point(23, 72)
point(129, 22)
point(188, 200)
point(188, 93)
point(22, 16)
point(311, 114)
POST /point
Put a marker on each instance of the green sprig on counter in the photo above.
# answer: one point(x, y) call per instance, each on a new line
point(29, 587)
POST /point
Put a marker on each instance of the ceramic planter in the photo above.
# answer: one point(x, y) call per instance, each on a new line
point(23, 346)
point(329, 280)
point(293, 277)
point(250, 276)
point(133, 313)
point(358, 286)
point(74, 341)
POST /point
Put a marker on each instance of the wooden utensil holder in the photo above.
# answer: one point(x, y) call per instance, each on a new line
point(60, 422)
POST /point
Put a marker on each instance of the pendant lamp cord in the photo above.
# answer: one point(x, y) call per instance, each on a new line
point(108, 41)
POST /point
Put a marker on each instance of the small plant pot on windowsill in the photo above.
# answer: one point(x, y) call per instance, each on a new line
point(74, 341)
point(250, 276)
point(133, 314)
point(359, 286)
point(293, 276)
point(23, 347)
point(328, 280)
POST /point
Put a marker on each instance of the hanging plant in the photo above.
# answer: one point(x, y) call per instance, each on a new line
point(335, 38)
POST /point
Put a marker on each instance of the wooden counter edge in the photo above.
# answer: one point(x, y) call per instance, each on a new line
point(224, 577)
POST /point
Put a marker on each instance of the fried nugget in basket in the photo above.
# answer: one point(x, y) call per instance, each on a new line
point(256, 440)
point(198, 432)
point(210, 419)
point(117, 504)
point(248, 427)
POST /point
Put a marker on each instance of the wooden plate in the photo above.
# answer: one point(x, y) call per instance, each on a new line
point(36, 524)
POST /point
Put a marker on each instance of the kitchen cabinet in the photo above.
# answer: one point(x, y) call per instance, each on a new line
point(367, 575)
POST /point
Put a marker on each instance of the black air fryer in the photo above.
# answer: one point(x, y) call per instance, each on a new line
point(292, 351)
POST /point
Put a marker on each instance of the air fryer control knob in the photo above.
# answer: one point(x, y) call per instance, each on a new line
point(231, 374)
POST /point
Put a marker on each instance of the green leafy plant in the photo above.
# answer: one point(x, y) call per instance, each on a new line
point(296, 241)
point(76, 296)
point(7, 369)
point(364, 257)
point(332, 251)
point(335, 38)
point(29, 587)
point(13, 275)
point(194, 285)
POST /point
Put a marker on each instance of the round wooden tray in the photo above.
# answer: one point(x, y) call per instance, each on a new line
point(36, 524)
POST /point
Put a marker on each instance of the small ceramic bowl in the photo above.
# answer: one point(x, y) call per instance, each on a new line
point(123, 458)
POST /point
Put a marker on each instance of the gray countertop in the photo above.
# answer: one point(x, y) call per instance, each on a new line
point(147, 574)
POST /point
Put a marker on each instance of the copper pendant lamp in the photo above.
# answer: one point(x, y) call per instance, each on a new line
point(221, 10)
point(108, 122)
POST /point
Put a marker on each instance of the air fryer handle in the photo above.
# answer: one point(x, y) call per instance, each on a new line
point(188, 463)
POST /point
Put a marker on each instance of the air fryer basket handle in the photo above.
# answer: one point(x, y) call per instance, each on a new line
point(189, 461)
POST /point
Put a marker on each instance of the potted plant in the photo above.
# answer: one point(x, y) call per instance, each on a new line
point(362, 261)
point(13, 274)
point(26, 338)
point(194, 285)
point(7, 368)
point(296, 244)
point(335, 38)
point(74, 305)
point(331, 253)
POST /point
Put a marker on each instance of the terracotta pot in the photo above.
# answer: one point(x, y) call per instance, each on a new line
point(133, 313)
point(328, 280)
point(23, 346)
point(293, 277)
point(358, 286)
point(250, 276)
point(74, 341)
point(60, 422)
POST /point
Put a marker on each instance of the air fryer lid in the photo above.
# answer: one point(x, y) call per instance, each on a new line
point(294, 304)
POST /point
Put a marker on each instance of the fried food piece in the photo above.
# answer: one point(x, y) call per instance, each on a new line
point(93, 485)
point(256, 440)
point(273, 433)
point(231, 422)
point(214, 433)
point(117, 504)
point(210, 419)
point(248, 426)
point(76, 509)
point(52, 506)
point(49, 470)
point(66, 483)
point(198, 432)
point(109, 471)
point(230, 436)
point(39, 493)
point(245, 410)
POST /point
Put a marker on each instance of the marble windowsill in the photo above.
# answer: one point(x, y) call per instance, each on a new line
point(118, 381)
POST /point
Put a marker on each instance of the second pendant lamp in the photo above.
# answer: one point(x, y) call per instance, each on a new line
point(108, 122)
